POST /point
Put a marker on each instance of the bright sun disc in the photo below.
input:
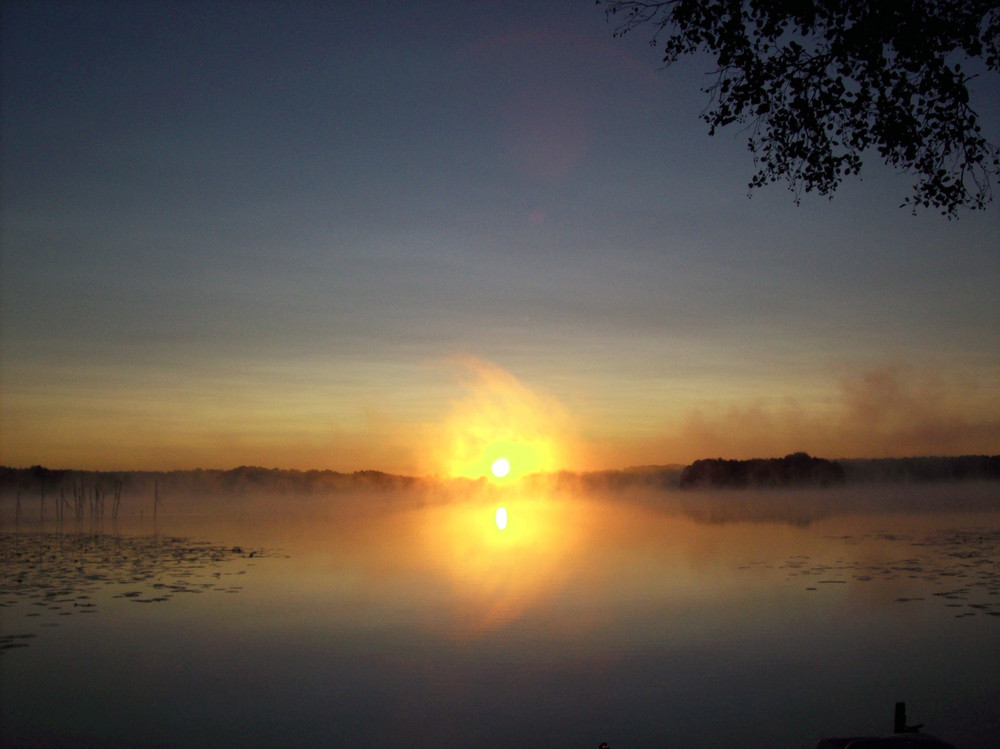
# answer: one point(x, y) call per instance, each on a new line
point(500, 467)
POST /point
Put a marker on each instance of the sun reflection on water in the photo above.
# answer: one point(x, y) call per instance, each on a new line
point(499, 559)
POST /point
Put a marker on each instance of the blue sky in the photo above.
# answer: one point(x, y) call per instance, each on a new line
point(264, 233)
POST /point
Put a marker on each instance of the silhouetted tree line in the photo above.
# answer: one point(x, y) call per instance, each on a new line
point(960, 468)
point(797, 469)
point(800, 469)
point(41, 481)
point(638, 477)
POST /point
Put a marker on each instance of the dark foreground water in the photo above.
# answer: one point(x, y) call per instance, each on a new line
point(741, 619)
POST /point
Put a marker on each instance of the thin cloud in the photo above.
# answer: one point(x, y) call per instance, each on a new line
point(893, 410)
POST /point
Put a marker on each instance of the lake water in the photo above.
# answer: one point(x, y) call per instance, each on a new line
point(660, 619)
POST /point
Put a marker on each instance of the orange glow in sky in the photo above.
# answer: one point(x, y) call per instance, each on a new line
point(500, 429)
point(342, 231)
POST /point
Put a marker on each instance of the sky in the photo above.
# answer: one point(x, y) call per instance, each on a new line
point(376, 235)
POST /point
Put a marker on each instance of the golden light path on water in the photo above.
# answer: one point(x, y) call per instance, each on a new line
point(501, 552)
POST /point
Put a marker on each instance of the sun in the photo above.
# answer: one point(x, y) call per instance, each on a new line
point(500, 467)
point(500, 431)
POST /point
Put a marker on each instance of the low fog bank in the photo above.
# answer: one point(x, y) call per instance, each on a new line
point(926, 469)
point(793, 471)
point(796, 489)
point(761, 493)
point(84, 494)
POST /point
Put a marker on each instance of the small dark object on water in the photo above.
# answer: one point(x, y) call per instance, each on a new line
point(899, 721)
point(903, 737)
point(237, 550)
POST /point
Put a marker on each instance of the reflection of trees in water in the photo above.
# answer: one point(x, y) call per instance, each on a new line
point(62, 574)
point(804, 507)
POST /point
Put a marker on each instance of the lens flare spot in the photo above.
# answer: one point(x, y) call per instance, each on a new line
point(501, 518)
point(500, 467)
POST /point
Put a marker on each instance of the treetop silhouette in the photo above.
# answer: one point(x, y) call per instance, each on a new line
point(819, 84)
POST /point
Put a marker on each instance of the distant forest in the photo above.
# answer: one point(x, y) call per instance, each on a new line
point(801, 469)
point(245, 480)
point(797, 469)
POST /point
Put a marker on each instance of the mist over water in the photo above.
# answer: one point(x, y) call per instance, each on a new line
point(404, 615)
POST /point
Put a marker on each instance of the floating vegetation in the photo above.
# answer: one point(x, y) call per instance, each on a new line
point(966, 561)
point(63, 574)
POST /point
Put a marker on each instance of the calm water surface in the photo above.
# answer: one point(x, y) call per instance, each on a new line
point(677, 619)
